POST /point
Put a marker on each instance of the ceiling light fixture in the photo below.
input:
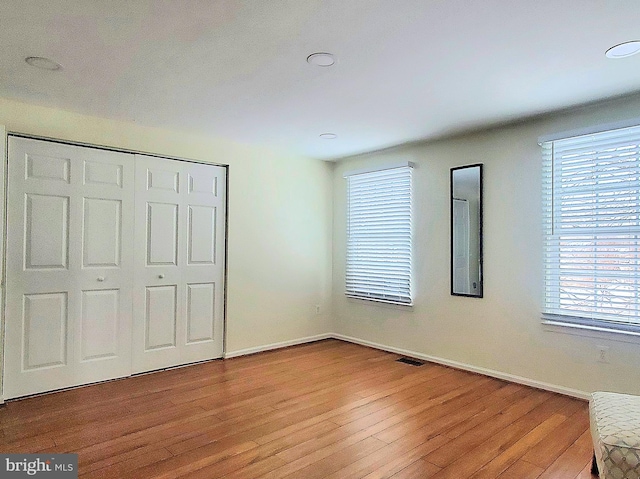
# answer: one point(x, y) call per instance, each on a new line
point(43, 63)
point(328, 136)
point(624, 50)
point(321, 59)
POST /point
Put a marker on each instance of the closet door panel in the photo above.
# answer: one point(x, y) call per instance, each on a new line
point(162, 234)
point(69, 272)
point(203, 274)
point(47, 232)
point(47, 168)
point(157, 298)
point(202, 235)
point(179, 243)
point(160, 317)
point(100, 325)
point(107, 174)
point(201, 305)
point(102, 235)
point(45, 329)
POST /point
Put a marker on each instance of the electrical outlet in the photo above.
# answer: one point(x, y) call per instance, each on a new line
point(317, 309)
point(603, 354)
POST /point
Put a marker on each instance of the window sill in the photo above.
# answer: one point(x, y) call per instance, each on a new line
point(379, 302)
point(556, 326)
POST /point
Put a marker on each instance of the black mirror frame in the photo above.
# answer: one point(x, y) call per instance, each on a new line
point(480, 230)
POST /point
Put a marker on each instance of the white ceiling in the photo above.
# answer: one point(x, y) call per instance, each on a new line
point(406, 69)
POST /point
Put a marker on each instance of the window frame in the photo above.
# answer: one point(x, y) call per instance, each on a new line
point(392, 283)
point(599, 146)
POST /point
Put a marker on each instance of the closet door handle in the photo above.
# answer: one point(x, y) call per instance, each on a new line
point(100, 279)
point(161, 276)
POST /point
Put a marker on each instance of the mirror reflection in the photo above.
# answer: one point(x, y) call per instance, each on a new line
point(466, 231)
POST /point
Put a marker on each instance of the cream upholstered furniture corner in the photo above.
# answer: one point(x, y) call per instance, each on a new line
point(615, 429)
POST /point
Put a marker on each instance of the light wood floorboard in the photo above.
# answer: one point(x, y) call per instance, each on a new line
point(328, 409)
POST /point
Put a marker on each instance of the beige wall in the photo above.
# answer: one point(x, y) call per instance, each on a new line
point(500, 334)
point(283, 247)
point(279, 263)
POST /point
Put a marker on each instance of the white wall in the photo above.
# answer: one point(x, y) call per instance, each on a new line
point(279, 231)
point(501, 333)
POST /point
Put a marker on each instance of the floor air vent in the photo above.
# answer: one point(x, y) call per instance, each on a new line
point(412, 362)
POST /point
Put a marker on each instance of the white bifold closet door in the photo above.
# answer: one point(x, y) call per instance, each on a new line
point(115, 265)
point(69, 268)
point(179, 269)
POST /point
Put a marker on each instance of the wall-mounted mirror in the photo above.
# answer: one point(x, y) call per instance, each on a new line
point(466, 231)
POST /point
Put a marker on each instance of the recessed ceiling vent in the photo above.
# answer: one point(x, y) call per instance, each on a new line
point(321, 59)
point(43, 63)
point(624, 50)
point(328, 136)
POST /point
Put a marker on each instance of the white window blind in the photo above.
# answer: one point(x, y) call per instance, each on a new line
point(379, 235)
point(592, 229)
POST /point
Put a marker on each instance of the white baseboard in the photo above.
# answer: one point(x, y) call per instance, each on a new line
point(283, 344)
point(413, 354)
point(468, 367)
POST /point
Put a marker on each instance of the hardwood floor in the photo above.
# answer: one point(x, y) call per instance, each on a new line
point(323, 410)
